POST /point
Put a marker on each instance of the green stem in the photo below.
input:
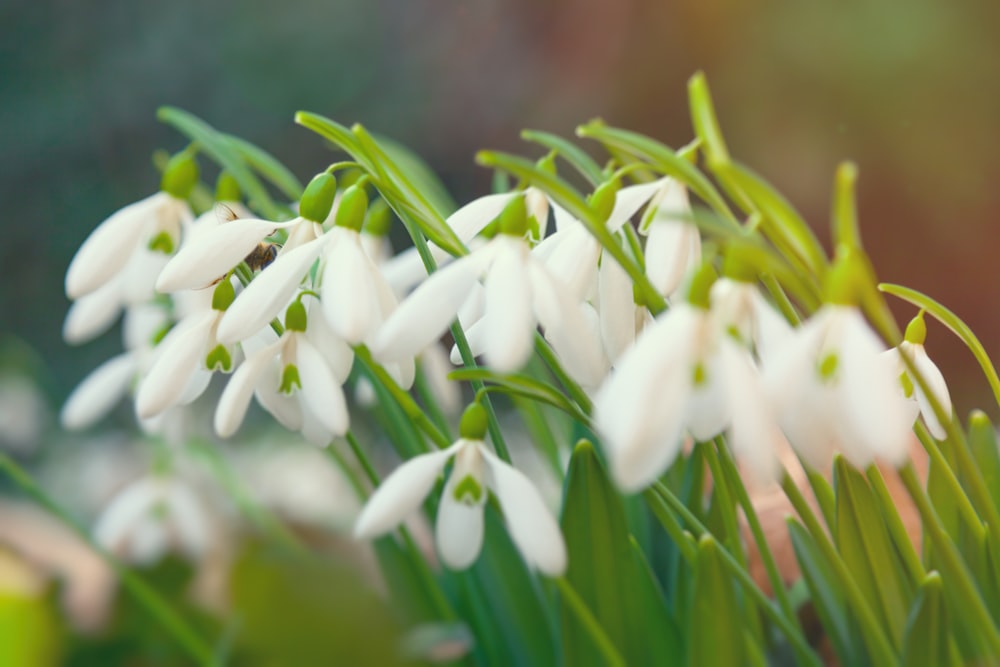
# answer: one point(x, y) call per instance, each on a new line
point(430, 402)
point(362, 458)
point(575, 391)
point(199, 650)
point(409, 406)
point(880, 647)
point(589, 623)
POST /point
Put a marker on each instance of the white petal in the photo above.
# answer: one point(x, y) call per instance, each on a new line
point(236, 396)
point(349, 294)
point(286, 409)
point(772, 330)
point(401, 493)
point(141, 323)
point(214, 252)
point(320, 390)
point(529, 521)
point(630, 199)
point(126, 509)
point(98, 393)
point(874, 408)
point(475, 336)
point(338, 355)
point(137, 278)
point(754, 433)
point(708, 410)
point(435, 367)
point(177, 358)
point(616, 304)
point(93, 314)
point(574, 340)
point(472, 309)
point(574, 261)
point(509, 322)
point(424, 315)
point(188, 520)
point(669, 249)
point(110, 245)
point(472, 218)
point(458, 530)
point(268, 293)
point(939, 389)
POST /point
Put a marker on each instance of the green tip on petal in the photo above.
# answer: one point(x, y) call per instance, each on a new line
point(916, 330)
point(846, 279)
point(701, 286)
point(352, 208)
point(223, 295)
point(180, 175)
point(603, 198)
point(219, 359)
point(379, 220)
point(295, 317)
point(290, 379)
point(474, 422)
point(317, 200)
point(227, 188)
point(162, 242)
point(736, 267)
point(468, 491)
point(827, 367)
point(160, 334)
point(514, 217)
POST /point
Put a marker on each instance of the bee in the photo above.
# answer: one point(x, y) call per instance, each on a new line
point(261, 256)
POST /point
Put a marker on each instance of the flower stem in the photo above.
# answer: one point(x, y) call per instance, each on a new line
point(552, 361)
point(199, 650)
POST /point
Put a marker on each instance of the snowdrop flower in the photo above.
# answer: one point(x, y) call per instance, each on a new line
point(154, 223)
point(214, 251)
point(296, 378)
point(407, 269)
point(673, 243)
point(832, 391)
point(186, 358)
point(459, 526)
point(913, 347)
point(684, 373)
point(152, 517)
point(520, 293)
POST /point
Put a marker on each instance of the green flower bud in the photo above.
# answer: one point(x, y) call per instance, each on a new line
point(227, 188)
point(514, 217)
point(474, 422)
point(379, 220)
point(180, 175)
point(701, 286)
point(352, 207)
point(603, 198)
point(295, 317)
point(223, 295)
point(317, 200)
point(916, 330)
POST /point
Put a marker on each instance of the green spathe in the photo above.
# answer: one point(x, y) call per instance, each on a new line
point(474, 422)
point(352, 207)
point(916, 330)
point(317, 200)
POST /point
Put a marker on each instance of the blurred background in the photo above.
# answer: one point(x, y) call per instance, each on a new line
point(909, 91)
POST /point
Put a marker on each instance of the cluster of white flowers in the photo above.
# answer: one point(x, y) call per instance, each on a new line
point(719, 360)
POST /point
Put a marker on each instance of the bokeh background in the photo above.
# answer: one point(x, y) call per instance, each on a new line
point(910, 91)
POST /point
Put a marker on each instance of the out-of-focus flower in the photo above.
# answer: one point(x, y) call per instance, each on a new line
point(920, 404)
point(459, 526)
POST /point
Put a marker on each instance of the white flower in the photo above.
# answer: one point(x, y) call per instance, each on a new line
point(917, 398)
point(151, 517)
point(296, 378)
point(683, 374)
point(673, 243)
point(831, 391)
point(459, 527)
point(520, 293)
point(740, 309)
point(156, 220)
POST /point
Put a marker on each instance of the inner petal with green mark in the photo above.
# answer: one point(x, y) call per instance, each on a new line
point(219, 359)
point(290, 379)
point(468, 491)
point(907, 383)
point(700, 375)
point(828, 366)
point(162, 242)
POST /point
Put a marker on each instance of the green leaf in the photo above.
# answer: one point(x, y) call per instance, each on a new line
point(606, 573)
point(927, 641)
point(826, 596)
point(983, 445)
point(864, 543)
point(420, 174)
point(570, 152)
point(504, 603)
point(221, 149)
point(783, 224)
point(845, 215)
point(401, 577)
point(706, 123)
point(717, 624)
point(268, 166)
point(520, 385)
